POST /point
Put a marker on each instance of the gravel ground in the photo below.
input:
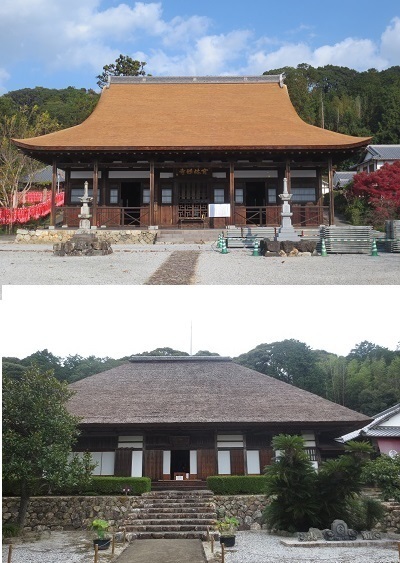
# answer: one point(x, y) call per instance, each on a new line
point(251, 547)
point(136, 264)
point(58, 547)
point(261, 547)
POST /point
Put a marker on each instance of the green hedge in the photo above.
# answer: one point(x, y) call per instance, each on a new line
point(97, 486)
point(114, 485)
point(237, 484)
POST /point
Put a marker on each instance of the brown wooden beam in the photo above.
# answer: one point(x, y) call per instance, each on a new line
point(53, 194)
point(152, 189)
point(331, 196)
point(232, 191)
point(95, 191)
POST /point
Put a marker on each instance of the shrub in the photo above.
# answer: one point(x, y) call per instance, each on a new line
point(237, 484)
point(10, 530)
point(384, 472)
point(362, 512)
point(114, 485)
point(291, 484)
point(301, 497)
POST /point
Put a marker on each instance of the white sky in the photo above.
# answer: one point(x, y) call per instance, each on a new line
point(121, 320)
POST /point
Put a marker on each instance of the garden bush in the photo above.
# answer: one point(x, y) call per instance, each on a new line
point(237, 484)
point(10, 530)
point(114, 485)
point(384, 472)
point(362, 512)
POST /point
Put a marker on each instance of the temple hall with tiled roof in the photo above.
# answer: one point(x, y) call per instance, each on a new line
point(194, 150)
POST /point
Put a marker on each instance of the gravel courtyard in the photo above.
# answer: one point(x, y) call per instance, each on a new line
point(251, 547)
point(192, 265)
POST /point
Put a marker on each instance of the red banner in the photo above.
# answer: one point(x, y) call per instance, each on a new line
point(25, 214)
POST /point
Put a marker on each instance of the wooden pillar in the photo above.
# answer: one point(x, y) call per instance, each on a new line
point(331, 198)
point(53, 194)
point(152, 192)
point(232, 191)
point(95, 191)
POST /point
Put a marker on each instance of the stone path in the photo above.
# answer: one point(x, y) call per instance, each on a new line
point(179, 269)
point(163, 551)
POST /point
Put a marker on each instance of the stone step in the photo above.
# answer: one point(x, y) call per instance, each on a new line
point(174, 511)
point(144, 515)
point(167, 528)
point(176, 503)
point(177, 521)
point(193, 494)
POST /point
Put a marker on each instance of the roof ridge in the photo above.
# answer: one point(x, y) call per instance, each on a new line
point(135, 359)
point(267, 78)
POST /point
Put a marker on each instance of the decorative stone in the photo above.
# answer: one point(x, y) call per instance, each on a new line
point(339, 532)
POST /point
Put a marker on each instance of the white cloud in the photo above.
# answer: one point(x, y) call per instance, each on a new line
point(288, 55)
point(390, 42)
point(353, 53)
point(43, 34)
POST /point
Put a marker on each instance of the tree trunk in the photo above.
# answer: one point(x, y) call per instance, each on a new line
point(23, 505)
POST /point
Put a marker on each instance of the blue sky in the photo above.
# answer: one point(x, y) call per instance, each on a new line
point(55, 44)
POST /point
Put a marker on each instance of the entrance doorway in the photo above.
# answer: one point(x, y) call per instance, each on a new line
point(255, 193)
point(255, 203)
point(180, 462)
point(131, 199)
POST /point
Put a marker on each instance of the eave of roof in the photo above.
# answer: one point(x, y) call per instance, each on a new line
point(202, 115)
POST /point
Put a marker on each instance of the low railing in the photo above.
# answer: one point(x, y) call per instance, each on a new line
point(107, 216)
point(270, 215)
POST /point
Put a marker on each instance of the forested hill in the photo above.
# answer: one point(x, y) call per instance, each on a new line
point(69, 106)
point(345, 100)
point(366, 380)
point(337, 98)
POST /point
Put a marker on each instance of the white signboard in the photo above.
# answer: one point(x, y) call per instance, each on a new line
point(219, 209)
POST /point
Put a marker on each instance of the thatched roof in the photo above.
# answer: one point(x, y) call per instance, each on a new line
point(190, 389)
point(193, 114)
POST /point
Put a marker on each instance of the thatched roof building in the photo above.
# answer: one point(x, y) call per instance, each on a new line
point(205, 414)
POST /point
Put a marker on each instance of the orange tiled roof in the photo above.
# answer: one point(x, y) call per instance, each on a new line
point(156, 113)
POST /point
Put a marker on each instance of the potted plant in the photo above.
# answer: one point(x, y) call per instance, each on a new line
point(227, 528)
point(101, 527)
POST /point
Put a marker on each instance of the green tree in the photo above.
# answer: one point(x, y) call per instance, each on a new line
point(163, 352)
point(45, 360)
point(338, 480)
point(17, 169)
point(290, 484)
point(299, 496)
point(76, 367)
point(38, 432)
point(123, 66)
point(384, 472)
point(290, 361)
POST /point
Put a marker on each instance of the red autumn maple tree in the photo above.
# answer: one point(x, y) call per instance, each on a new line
point(381, 190)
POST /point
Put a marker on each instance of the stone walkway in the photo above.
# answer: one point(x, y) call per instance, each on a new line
point(163, 551)
point(178, 269)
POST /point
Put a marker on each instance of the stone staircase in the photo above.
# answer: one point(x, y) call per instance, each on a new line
point(188, 236)
point(172, 515)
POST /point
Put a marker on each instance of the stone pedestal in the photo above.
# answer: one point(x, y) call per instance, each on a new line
point(286, 230)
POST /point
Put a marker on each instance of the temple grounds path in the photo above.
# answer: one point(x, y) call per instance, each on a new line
point(250, 547)
point(190, 264)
